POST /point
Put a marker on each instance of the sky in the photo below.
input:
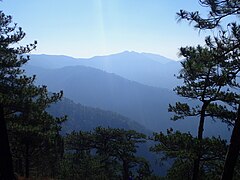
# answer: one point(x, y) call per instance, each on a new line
point(87, 28)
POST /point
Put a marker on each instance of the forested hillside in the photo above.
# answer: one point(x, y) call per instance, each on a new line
point(143, 104)
point(126, 115)
point(86, 118)
point(145, 68)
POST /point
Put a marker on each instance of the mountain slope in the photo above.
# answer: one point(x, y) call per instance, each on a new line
point(96, 88)
point(149, 69)
point(87, 118)
point(52, 61)
point(145, 68)
point(143, 104)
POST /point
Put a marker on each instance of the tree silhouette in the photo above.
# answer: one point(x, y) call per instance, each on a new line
point(13, 82)
point(227, 45)
point(111, 150)
point(22, 104)
point(183, 148)
point(204, 80)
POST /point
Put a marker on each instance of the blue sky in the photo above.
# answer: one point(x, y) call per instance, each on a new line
point(86, 28)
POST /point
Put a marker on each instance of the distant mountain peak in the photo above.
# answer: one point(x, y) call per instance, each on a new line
point(147, 68)
point(150, 56)
point(130, 52)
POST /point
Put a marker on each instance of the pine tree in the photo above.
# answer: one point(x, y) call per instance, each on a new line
point(227, 46)
point(12, 83)
point(22, 103)
point(105, 153)
point(183, 147)
point(34, 133)
point(204, 80)
point(120, 144)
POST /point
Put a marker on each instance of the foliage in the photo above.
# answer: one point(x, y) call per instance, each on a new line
point(226, 48)
point(110, 153)
point(33, 133)
point(205, 79)
point(13, 84)
point(219, 9)
point(35, 136)
point(183, 149)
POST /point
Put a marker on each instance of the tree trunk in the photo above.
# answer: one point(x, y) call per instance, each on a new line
point(125, 171)
point(233, 150)
point(196, 163)
point(27, 160)
point(196, 168)
point(6, 167)
point(20, 167)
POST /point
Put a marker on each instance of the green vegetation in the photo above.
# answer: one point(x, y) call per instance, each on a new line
point(210, 75)
point(32, 144)
point(32, 132)
point(104, 153)
point(183, 148)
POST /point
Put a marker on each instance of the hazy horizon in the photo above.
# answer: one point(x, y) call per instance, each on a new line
point(96, 27)
point(100, 55)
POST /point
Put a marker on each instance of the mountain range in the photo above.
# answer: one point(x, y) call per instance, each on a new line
point(86, 118)
point(109, 83)
point(145, 68)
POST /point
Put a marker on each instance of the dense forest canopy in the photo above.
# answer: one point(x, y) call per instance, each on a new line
point(33, 144)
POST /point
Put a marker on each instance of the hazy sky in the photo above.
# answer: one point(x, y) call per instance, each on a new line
point(86, 28)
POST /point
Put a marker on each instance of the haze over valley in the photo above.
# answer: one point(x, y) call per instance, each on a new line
point(120, 90)
point(138, 86)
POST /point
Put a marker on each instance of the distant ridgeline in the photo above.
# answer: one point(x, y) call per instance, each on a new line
point(145, 68)
point(86, 118)
point(96, 86)
point(83, 118)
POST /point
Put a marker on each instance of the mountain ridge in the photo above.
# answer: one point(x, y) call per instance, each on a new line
point(144, 104)
point(87, 118)
point(145, 68)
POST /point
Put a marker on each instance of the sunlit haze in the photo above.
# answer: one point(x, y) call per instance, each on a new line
point(86, 28)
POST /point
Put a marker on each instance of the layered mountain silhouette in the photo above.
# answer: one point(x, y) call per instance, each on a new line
point(92, 87)
point(86, 118)
point(147, 105)
point(145, 68)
